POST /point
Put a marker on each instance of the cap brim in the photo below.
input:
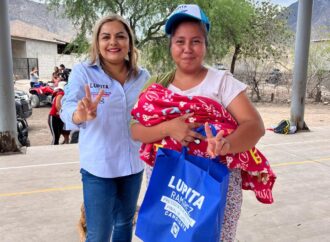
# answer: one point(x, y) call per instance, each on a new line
point(177, 18)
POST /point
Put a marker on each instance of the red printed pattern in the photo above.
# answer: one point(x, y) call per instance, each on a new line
point(157, 104)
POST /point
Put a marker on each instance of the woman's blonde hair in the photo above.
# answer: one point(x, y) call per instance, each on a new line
point(132, 52)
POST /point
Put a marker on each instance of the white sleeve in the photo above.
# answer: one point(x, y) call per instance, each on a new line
point(229, 88)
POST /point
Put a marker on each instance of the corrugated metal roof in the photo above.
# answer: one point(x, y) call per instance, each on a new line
point(22, 30)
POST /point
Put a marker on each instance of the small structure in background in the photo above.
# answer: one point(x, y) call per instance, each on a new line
point(34, 46)
point(220, 66)
point(275, 77)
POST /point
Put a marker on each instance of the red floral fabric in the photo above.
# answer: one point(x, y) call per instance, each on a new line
point(157, 104)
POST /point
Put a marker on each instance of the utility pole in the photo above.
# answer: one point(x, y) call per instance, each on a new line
point(303, 35)
point(8, 126)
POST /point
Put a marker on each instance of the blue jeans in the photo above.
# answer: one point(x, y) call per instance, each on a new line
point(110, 205)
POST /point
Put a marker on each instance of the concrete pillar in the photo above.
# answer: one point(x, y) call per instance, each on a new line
point(8, 126)
point(303, 34)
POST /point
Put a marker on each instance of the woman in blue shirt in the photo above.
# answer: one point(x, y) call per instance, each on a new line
point(99, 97)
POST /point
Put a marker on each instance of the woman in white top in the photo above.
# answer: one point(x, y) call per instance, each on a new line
point(34, 76)
point(188, 28)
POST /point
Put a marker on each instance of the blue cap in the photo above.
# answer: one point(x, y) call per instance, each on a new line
point(185, 11)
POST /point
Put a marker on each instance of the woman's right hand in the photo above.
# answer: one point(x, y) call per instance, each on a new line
point(181, 131)
point(86, 109)
point(216, 145)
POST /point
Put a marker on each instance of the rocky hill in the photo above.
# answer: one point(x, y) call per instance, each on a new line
point(320, 18)
point(38, 14)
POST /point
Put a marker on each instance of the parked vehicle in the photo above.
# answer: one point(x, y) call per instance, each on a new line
point(23, 104)
point(74, 136)
point(220, 66)
point(23, 111)
point(41, 93)
point(22, 131)
point(275, 77)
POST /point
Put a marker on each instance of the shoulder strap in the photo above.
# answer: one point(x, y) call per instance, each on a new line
point(163, 79)
point(166, 79)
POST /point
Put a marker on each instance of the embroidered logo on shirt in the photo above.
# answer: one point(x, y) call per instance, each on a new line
point(95, 89)
point(100, 86)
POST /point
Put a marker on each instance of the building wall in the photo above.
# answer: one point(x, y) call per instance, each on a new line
point(19, 49)
point(46, 52)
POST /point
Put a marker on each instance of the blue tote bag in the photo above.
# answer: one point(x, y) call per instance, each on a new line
point(185, 199)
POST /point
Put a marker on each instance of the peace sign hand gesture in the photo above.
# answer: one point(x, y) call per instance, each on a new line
point(217, 145)
point(86, 108)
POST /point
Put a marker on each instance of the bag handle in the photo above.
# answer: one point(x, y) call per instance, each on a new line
point(216, 160)
point(212, 167)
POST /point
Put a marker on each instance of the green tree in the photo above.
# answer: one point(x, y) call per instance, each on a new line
point(231, 26)
point(146, 17)
point(318, 69)
point(236, 24)
point(269, 32)
point(251, 29)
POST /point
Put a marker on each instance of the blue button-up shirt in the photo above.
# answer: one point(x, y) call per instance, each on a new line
point(105, 144)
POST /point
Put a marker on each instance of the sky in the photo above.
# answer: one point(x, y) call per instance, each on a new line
point(284, 3)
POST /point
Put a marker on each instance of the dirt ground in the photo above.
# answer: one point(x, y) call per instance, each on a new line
point(315, 115)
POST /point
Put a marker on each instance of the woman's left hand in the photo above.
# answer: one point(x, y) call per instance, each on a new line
point(217, 145)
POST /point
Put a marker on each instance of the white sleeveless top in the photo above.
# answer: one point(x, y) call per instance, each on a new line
point(220, 86)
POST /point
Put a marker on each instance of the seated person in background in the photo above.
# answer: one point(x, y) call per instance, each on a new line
point(64, 72)
point(56, 70)
point(62, 68)
point(55, 79)
point(34, 78)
